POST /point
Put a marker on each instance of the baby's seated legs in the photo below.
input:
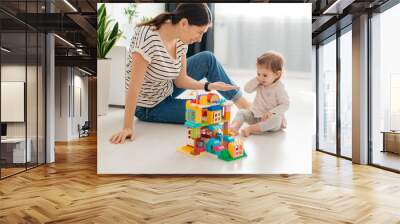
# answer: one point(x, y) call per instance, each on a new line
point(274, 123)
point(271, 124)
point(243, 115)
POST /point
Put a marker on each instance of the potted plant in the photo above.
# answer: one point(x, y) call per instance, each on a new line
point(130, 11)
point(107, 34)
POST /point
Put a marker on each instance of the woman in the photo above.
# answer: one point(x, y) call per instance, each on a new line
point(157, 69)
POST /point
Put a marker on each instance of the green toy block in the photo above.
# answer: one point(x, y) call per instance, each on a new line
point(224, 155)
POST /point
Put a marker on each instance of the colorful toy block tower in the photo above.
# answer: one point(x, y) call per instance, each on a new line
point(207, 119)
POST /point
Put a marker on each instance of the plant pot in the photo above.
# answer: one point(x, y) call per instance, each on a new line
point(103, 85)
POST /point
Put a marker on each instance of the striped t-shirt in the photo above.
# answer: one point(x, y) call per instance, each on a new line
point(162, 68)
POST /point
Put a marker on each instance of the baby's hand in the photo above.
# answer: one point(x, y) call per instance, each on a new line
point(266, 116)
point(259, 80)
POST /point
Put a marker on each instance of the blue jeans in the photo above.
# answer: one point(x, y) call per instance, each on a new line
point(172, 110)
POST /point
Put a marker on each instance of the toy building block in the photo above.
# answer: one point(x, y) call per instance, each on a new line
point(226, 128)
point(207, 119)
point(235, 148)
point(227, 112)
point(212, 98)
point(203, 100)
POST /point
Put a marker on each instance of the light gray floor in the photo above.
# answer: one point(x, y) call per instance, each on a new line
point(155, 149)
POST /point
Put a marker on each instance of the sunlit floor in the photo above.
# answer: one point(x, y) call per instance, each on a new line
point(386, 159)
point(155, 147)
point(15, 168)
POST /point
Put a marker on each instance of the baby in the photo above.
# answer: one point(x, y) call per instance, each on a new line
point(271, 101)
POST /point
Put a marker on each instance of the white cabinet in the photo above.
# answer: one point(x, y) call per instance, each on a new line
point(15, 148)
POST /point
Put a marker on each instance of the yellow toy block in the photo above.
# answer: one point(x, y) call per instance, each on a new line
point(188, 104)
point(198, 115)
point(227, 116)
point(203, 100)
point(235, 148)
point(186, 149)
point(210, 117)
point(189, 151)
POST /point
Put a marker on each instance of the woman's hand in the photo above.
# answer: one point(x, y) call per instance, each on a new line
point(221, 86)
point(122, 135)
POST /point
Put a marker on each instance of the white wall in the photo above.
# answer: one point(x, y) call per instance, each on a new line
point(80, 83)
point(66, 121)
point(116, 11)
point(62, 80)
point(117, 80)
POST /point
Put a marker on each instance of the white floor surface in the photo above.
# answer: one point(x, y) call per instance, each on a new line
point(154, 151)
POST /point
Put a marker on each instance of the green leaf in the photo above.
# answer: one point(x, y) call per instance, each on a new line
point(106, 37)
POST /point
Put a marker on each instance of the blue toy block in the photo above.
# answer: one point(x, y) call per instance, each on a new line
point(213, 127)
point(228, 138)
point(211, 143)
point(214, 108)
point(191, 124)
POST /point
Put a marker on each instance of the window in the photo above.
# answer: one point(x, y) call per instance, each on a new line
point(385, 85)
point(259, 28)
point(327, 96)
point(394, 101)
point(346, 93)
point(23, 61)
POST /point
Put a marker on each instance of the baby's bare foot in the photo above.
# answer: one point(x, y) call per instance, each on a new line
point(234, 130)
point(245, 132)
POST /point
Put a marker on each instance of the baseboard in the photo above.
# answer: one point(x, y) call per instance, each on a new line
point(116, 106)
